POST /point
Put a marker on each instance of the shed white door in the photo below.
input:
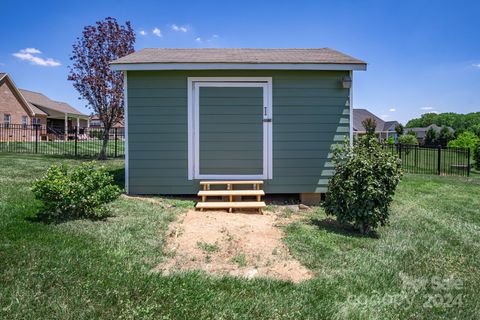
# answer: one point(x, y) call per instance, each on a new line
point(231, 130)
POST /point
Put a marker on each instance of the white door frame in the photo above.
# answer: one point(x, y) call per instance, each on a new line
point(194, 85)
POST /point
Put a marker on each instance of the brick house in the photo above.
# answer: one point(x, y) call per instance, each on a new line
point(22, 108)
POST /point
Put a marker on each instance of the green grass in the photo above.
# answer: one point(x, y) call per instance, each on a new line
point(60, 147)
point(102, 269)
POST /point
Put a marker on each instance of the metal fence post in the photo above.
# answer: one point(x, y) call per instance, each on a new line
point(439, 160)
point(36, 138)
point(76, 139)
point(400, 151)
point(115, 138)
point(468, 162)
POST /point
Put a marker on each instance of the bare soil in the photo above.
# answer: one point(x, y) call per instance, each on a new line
point(239, 244)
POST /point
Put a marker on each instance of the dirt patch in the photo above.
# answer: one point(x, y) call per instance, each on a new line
point(238, 244)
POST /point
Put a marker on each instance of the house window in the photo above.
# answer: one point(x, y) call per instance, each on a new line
point(6, 120)
point(36, 121)
point(95, 123)
point(24, 121)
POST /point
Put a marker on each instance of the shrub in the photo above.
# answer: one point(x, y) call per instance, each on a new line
point(370, 125)
point(430, 137)
point(399, 129)
point(390, 140)
point(408, 139)
point(362, 188)
point(75, 192)
point(476, 157)
point(466, 139)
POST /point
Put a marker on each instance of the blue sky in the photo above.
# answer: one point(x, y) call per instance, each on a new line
point(422, 55)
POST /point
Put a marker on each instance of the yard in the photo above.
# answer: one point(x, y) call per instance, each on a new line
point(423, 265)
point(89, 148)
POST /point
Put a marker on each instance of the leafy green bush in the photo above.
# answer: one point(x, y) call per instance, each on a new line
point(466, 139)
point(476, 156)
point(75, 192)
point(408, 139)
point(390, 140)
point(98, 134)
point(362, 188)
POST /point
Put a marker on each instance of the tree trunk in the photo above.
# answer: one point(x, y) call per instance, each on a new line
point(103, 150)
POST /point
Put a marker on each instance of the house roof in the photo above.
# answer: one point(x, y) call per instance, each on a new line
point(320, 56)
point(359, 115)
point(27, 106)
point(422, 131)
point(41, 102)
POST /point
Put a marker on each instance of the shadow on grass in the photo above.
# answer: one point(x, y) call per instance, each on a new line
point(332, 225)
point(45, 218)
point(118, 177)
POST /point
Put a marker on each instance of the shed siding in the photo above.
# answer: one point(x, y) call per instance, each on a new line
point(310, 114)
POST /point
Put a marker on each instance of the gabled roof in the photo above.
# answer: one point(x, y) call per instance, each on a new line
point(40, 101)
point(225, 58)
point(27, 106)
point(390, 125)
point(421, 132)
point(359, 115)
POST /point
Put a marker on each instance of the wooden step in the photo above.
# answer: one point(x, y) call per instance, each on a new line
point(232, 205)
point(224, 193)
point(216, 182)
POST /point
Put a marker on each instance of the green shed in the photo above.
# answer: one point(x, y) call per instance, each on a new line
point(228, 114)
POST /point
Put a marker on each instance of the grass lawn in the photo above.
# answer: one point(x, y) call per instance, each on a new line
point(89, 148)
point(102, 269)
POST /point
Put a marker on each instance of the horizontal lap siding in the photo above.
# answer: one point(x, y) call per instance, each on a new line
point(309, 116)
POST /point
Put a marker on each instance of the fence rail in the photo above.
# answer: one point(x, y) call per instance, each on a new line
point(75, 142)
point(433, 160)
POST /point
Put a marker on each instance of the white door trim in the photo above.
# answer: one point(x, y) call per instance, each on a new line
point(193, 86)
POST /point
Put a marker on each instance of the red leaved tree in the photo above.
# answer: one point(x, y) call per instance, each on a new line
point(91, 74)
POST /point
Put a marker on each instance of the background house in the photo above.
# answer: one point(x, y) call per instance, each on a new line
point(422, 132)
point(384, 129)
point(25, 107)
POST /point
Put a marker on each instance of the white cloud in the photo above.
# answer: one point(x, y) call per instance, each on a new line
point(142, 32)
point(30, 54)
point(392, 109)
point(157, 32)
point(476, 65)
point(198, 39)
point(179, 28)
point(426, 108)
point(31, 50)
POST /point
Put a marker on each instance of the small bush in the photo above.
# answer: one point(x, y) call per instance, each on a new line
point(363, 186)
point(75, 192)
point(390, 140)
point(408, 139)
point(466, 139)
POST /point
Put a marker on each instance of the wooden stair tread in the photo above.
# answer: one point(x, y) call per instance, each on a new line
point(227, 205)
point(216, 182)
point(221, 193)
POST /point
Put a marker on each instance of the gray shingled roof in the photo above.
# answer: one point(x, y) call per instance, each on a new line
point(244, 56)
point(40, 101)
point(361, 114)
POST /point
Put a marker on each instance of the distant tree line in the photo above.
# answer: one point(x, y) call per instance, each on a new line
point(459, 122)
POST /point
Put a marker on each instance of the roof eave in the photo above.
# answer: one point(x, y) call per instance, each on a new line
point(118, 66)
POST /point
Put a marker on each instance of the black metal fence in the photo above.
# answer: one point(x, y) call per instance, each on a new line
point(75, 142)
point(432, 160)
